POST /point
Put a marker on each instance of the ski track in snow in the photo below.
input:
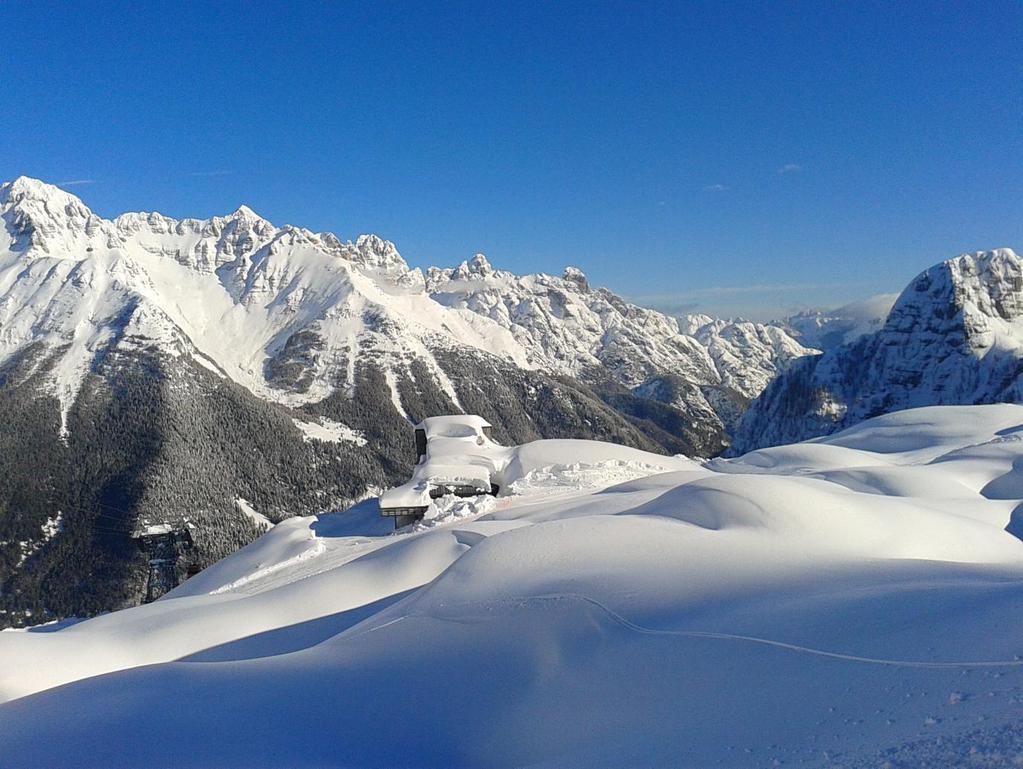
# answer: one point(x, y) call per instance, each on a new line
point(521, 601)
point(317, 549)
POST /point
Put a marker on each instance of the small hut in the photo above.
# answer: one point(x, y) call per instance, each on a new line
point(454, 455)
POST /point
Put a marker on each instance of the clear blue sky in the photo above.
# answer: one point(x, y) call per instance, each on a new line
point(732, 157)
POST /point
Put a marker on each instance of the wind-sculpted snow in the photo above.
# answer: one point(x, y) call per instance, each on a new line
point(954, 336)
point(826, 604)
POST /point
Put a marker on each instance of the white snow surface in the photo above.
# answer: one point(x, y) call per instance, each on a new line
point(329, 431)
point(812, 605)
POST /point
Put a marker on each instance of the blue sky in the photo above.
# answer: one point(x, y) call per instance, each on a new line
point(725, 157)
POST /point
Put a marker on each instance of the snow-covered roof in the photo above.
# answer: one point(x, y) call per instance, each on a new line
point(458, 453)
point(154, 529)
point(453, 426)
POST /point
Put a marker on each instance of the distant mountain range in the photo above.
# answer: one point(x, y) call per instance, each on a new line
point(227, 372)
point(827, 329)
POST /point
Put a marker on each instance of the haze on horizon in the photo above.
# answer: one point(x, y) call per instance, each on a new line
point(748, 161)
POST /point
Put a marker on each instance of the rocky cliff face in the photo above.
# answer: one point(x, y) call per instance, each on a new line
point(706, 369)
point(954, 336)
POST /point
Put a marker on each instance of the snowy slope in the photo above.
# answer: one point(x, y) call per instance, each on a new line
point(807, 605)
point(954, 336)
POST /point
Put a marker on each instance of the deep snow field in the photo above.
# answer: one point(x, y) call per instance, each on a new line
point(855, 601)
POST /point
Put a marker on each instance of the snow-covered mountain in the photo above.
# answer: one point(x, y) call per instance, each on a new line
point(289, 313)
point(954, 336)
point(285, 312)
point(225, 369)
point(707, 368)
point(852, 602)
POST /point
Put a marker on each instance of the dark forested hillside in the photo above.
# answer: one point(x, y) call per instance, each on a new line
point(154, 439)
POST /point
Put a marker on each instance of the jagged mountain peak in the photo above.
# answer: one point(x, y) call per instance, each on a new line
point(691, 323)
point(988, 282)
point(478, 268)
point(42, 218)
point(245, 219)
point(28, 188)
point(975, 292)
point(577, 277)
point(987, 257)
point(985, 270)
point(244, 212)
point(953, 336)
point(242, 219)
point(375, 252)
point(31, 204)
point(479, 265)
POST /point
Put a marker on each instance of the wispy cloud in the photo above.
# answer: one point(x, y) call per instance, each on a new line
point(75, 182)
point(716, 188)
point(762, 288)
point(724, 291)
point(207, 174)
point(790, 168)
point(756, 301)
point(681, 297)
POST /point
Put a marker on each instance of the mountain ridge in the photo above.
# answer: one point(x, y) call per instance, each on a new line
point(366, 280)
